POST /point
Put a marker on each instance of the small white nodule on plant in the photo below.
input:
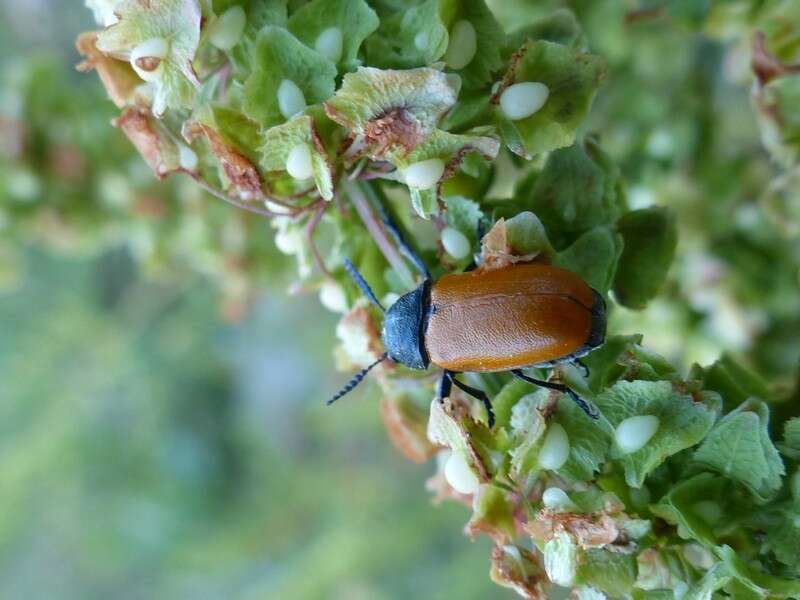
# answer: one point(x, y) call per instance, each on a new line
point(463, 45)
point(187, 158)
point(555, 498)
point(147, 58)
point(459, 474)
point(329, 44)
point(332, 297)
point(455, 243)
point(228, 28)
point(521, 100)
point(425, 174)
point(290, 99)
point(555, 448)
point(634, 432)
point(421, 41)
point(298, 163)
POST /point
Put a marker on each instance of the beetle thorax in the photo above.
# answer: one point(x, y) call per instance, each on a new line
point(403, 328)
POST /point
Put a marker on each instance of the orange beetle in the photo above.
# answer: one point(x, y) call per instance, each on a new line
point(506, 319)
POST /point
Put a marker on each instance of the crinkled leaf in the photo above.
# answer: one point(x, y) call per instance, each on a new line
point(405, 424)
point(761, 583)
point(424, 202)
point(117, 77)
point(776, 108)
point(279, 55)
point(155, 145)
point(561, 556)
point(278, 141)
point(610, 572)
point(492, 514)
point(177, 21)
point(623, 357)
point(791, 439)
point(449, 425)
point(734, 382)
point(519, 569)
point(579, 189)
point(739, 447)
point(450, 147)
point(518, 239)
point(560, 27)
point(572, 78)
point(687, 506)
point(391, 110)
point(714, 579)
point(783, 535)
point(490, 38)
point(593, 256)
point(259, 13)
point(589, 443)
point(464, 215)
point(354, 18)
point(682, 422)
point(528, 425)
point(103, 11)
point(413, 37)
point(650, 237)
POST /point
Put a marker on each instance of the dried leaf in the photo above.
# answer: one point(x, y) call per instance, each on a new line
point(406, 427)
point(156, 147)
point(118, 78)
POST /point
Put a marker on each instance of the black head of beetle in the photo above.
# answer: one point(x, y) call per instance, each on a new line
point(404, 328)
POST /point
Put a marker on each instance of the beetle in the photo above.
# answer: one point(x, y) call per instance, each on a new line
point(522, 315)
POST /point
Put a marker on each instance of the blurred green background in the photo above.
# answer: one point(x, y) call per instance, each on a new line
point(162, 428)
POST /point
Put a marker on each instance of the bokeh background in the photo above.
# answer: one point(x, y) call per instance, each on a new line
point(162, 373)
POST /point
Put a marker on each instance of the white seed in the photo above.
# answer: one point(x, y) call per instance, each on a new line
point(555, 498)
point(187, 158)
point(298, 163)
point(329, 44)
point(455, 243)
point(634, 432)
point(332, 297)
point(147, 58)
point(425, 174)
point(555, 448)
point(521, 100)
point(421, 41)
point(459, 474)
point(227, 30)
point(462, 46)
point(290, 99)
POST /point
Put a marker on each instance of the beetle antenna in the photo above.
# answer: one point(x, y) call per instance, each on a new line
point(362, 285)
point(357, 379)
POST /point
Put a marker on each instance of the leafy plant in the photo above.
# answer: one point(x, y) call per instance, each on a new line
point(322, 116)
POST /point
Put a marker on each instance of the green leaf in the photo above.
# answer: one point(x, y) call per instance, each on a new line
point(687, 506)
point(594, 257)
point(260, 13)
point(761, 583)
point(791, 439)
point(526, 235)
point(278, 141)
point(414, 37)
point(623, 357)
point(391, 111)
point(682, 422)
point(177, 22)
point(492, 513)
point(778, 118)
point(650, 236)
point(490, 38)
point(572, 78)
point(714, 579)
point(424, 202)
point(739, 448)
point(609, 572)
point(278, 56)
point(578, 190)
point(450, 147)
point(589, 444)
point(561, 559)
point(464, 215)
point(560, 27)
point(354, 19)
point(527, 427)
point(734, 382)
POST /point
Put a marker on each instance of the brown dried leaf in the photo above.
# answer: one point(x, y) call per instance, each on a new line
point(520, 570)
point(497, 252)
point(240, 172)
point(766, 65)
point(12, 138)
point(117, 77)
point(405, 424)
point(157, 148)
point(594, 530)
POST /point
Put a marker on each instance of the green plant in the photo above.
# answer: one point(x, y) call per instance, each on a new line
point(315, 115)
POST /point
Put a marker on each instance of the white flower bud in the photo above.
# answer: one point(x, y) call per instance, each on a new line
point(187, 158)
point(329, 44)
point(332, 297)
point(521, 100)
point(425, 174)
point(298, 163)
point(462, 46)
point(455, 243)
point(634, 432)
point(555, 448)
point(555, 498)
point(227, 30)
point(459, 475)
point(290, 99)
point(147, 58)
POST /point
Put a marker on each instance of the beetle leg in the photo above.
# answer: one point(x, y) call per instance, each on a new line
point(475, 393)
point(444, 387)
point(559, 387)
